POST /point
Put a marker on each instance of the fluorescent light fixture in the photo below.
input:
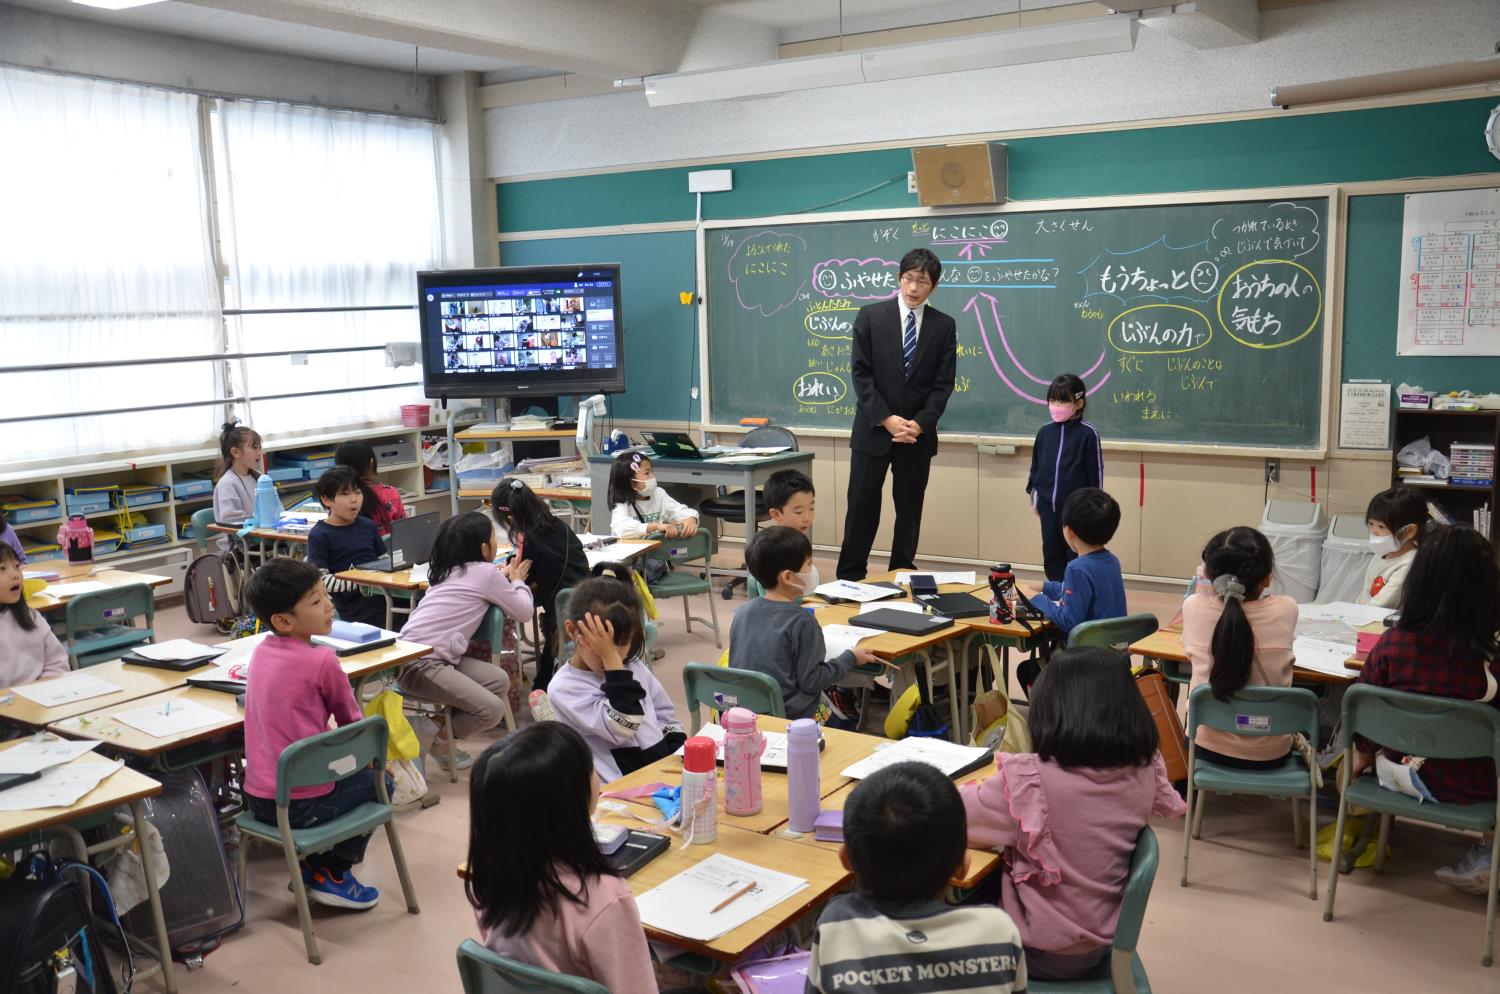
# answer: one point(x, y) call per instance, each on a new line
point(1384, 84)
point(1043, 43)
point(116, 4)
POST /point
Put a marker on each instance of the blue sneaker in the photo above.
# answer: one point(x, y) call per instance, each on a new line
point(342, 893)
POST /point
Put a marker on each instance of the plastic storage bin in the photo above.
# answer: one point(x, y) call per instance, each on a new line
point(312, 464)
point(1295, 530)
point(20, 509)
point(140, 495)
point(395, 453)
point(286, 474)
point(88, 501)
point(1346, 556)
point(187, 489)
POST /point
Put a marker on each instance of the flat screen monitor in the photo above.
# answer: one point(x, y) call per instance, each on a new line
point(522, 331)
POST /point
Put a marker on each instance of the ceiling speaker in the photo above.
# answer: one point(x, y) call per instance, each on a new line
point(948, 175)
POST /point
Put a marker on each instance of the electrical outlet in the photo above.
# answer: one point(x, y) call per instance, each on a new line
point(1273, 470)
point(911, 182)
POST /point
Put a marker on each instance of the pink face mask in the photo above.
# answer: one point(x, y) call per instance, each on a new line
point(1061, 412)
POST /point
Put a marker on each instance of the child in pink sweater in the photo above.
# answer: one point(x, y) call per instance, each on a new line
point(462, 586)
point(1067, 816)
point(294, 687)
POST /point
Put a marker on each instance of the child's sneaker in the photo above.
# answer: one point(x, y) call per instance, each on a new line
point(462, 760)
point(342, 893)
point(1470, 874)
point(541, 706)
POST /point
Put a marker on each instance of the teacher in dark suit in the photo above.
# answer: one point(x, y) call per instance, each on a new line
point(904, 354)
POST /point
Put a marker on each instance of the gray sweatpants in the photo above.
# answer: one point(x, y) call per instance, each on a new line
point(476, 690)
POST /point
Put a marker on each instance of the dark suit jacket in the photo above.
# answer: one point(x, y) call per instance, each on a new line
point(880, 381)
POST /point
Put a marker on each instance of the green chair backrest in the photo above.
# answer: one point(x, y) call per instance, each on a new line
point(736, 688)
point(331, 756)
point(1420, 725)
point(485, 971)
point(685, 550)
point(110, 607)
point(1113, 633)
point(198, 528)
point(1256, 711)
point(1137, 891)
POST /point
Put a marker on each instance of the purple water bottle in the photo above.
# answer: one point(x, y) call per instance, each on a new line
point(804, 794)
point(743, 745)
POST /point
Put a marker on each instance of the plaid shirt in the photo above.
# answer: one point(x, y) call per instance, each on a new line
point(1421, 663)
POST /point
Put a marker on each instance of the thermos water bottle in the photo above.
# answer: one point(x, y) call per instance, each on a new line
point(700, 790)
point(803, 793)
point(267, 504)
point(743, 745)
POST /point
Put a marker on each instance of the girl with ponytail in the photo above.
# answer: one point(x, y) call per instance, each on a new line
point(1237, 636)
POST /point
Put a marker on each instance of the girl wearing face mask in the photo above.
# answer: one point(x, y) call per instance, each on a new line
point(1066, 456)
point(1395, 519)
point(639, 508)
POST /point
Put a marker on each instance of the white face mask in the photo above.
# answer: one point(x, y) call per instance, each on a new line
point(809, 581)
point(646, 487)
point(1383, 545)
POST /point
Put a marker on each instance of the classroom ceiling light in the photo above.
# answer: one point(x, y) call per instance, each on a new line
point(116, 4)
point(1385, 84)
point(1042, 43)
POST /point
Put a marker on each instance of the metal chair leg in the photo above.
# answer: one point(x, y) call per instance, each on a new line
point(1338, 831)
point(304, 913)
point(452, 744)
point(1385, 835)
point(1198, 816)
point(1312, 842)
point(1296, 821)
point(1489, 911)
point(1193, 797)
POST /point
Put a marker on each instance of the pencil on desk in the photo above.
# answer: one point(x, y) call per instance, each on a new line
point(733, 897)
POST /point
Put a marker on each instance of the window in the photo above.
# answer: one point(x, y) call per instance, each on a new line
point(331, 213)
point(105, 255)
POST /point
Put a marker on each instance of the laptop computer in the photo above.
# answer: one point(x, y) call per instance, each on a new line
point(411, 544)
point(672, 445)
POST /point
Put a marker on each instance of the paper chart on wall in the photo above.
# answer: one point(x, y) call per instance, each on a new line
point(1449, 295)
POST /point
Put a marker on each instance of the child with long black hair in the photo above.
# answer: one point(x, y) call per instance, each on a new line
point(557, 558)
point(1237, 636)
point(1445, 645)
point(28, 649)
point(463, 584)
point(541, 890)
point(1067, 815)
point(241, 462)
point(382, 501)
point(1066, 456)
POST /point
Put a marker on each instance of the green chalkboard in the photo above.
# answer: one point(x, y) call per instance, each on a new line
point(1202, 323)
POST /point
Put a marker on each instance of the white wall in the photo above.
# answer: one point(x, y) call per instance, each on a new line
point(38, 40)
point(1161, 78)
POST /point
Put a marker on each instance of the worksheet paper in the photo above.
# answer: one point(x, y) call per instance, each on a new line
point(839, 639)
point(965, 577)
point(898, 606)
point(172, 717)
point(1322, 657)
point(178, 649)
point(848, 590)
point(41, 752)
point(76, 587)
point(65, 689)
point(58, 787)
point(946, 756)
point(419, 572)
point(1353, 615)
point(683, 905)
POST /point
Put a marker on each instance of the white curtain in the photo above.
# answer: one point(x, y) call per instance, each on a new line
point(321, 208)
point(104, 254)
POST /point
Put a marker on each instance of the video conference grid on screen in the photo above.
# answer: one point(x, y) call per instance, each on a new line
point(528, 327)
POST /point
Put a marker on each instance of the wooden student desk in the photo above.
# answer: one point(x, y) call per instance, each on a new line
point(840, 750)
point(134, 682)
point(123, 786)
point(47, 603)
point(1166, 647)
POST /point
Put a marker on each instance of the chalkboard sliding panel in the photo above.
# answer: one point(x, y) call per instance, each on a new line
point(1201, 322)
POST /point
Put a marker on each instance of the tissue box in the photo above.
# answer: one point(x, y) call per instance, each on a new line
point(1420, 401)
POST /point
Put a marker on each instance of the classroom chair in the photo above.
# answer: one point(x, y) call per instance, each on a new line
point(100, 626)
point(328, 757)
point(1254, 712)
point(719, 688)
point(1418, 725)
point(1113, 633)
point(729, 508)
point(566, 647)
point(492, 630)
point(484, 971)
point(682, 583)
point(198, 530)
point(1123, 973)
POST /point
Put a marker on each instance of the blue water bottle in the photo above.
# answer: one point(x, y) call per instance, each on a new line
point(267, 503)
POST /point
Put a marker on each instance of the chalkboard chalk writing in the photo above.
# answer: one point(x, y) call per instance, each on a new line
point(765, 271)
point(1261, 303)
point(832, 318)
point(819, 388)
point(1160, 329)
point(861, 279)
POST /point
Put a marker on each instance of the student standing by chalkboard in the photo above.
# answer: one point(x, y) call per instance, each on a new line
point(1066, 457)
point(903, 368)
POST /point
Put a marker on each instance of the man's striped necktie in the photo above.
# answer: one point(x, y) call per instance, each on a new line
point(909, 341)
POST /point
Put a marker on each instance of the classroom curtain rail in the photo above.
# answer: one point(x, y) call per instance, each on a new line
point(211, 357)
point(207, 403)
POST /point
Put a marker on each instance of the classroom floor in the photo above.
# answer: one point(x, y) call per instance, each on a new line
point(1244, 926)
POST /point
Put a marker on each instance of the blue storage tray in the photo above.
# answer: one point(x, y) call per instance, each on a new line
point(311, 463)
point(21, 515)
point(187, 489)
point(140, 497)
point(282, 474)
point(90, 503)
point(145, 533)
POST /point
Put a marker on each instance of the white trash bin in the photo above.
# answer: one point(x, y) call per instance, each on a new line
point(1295, 530)
point(1346, 556)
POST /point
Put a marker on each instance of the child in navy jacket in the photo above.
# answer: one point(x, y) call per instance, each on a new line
point(1067, 456)
point(1092, 587)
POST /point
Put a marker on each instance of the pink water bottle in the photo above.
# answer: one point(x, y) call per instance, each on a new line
point(804, 796)
point(77, 539)
point(743, 745)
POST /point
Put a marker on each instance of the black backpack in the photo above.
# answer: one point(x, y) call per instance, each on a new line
point(47, 941)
